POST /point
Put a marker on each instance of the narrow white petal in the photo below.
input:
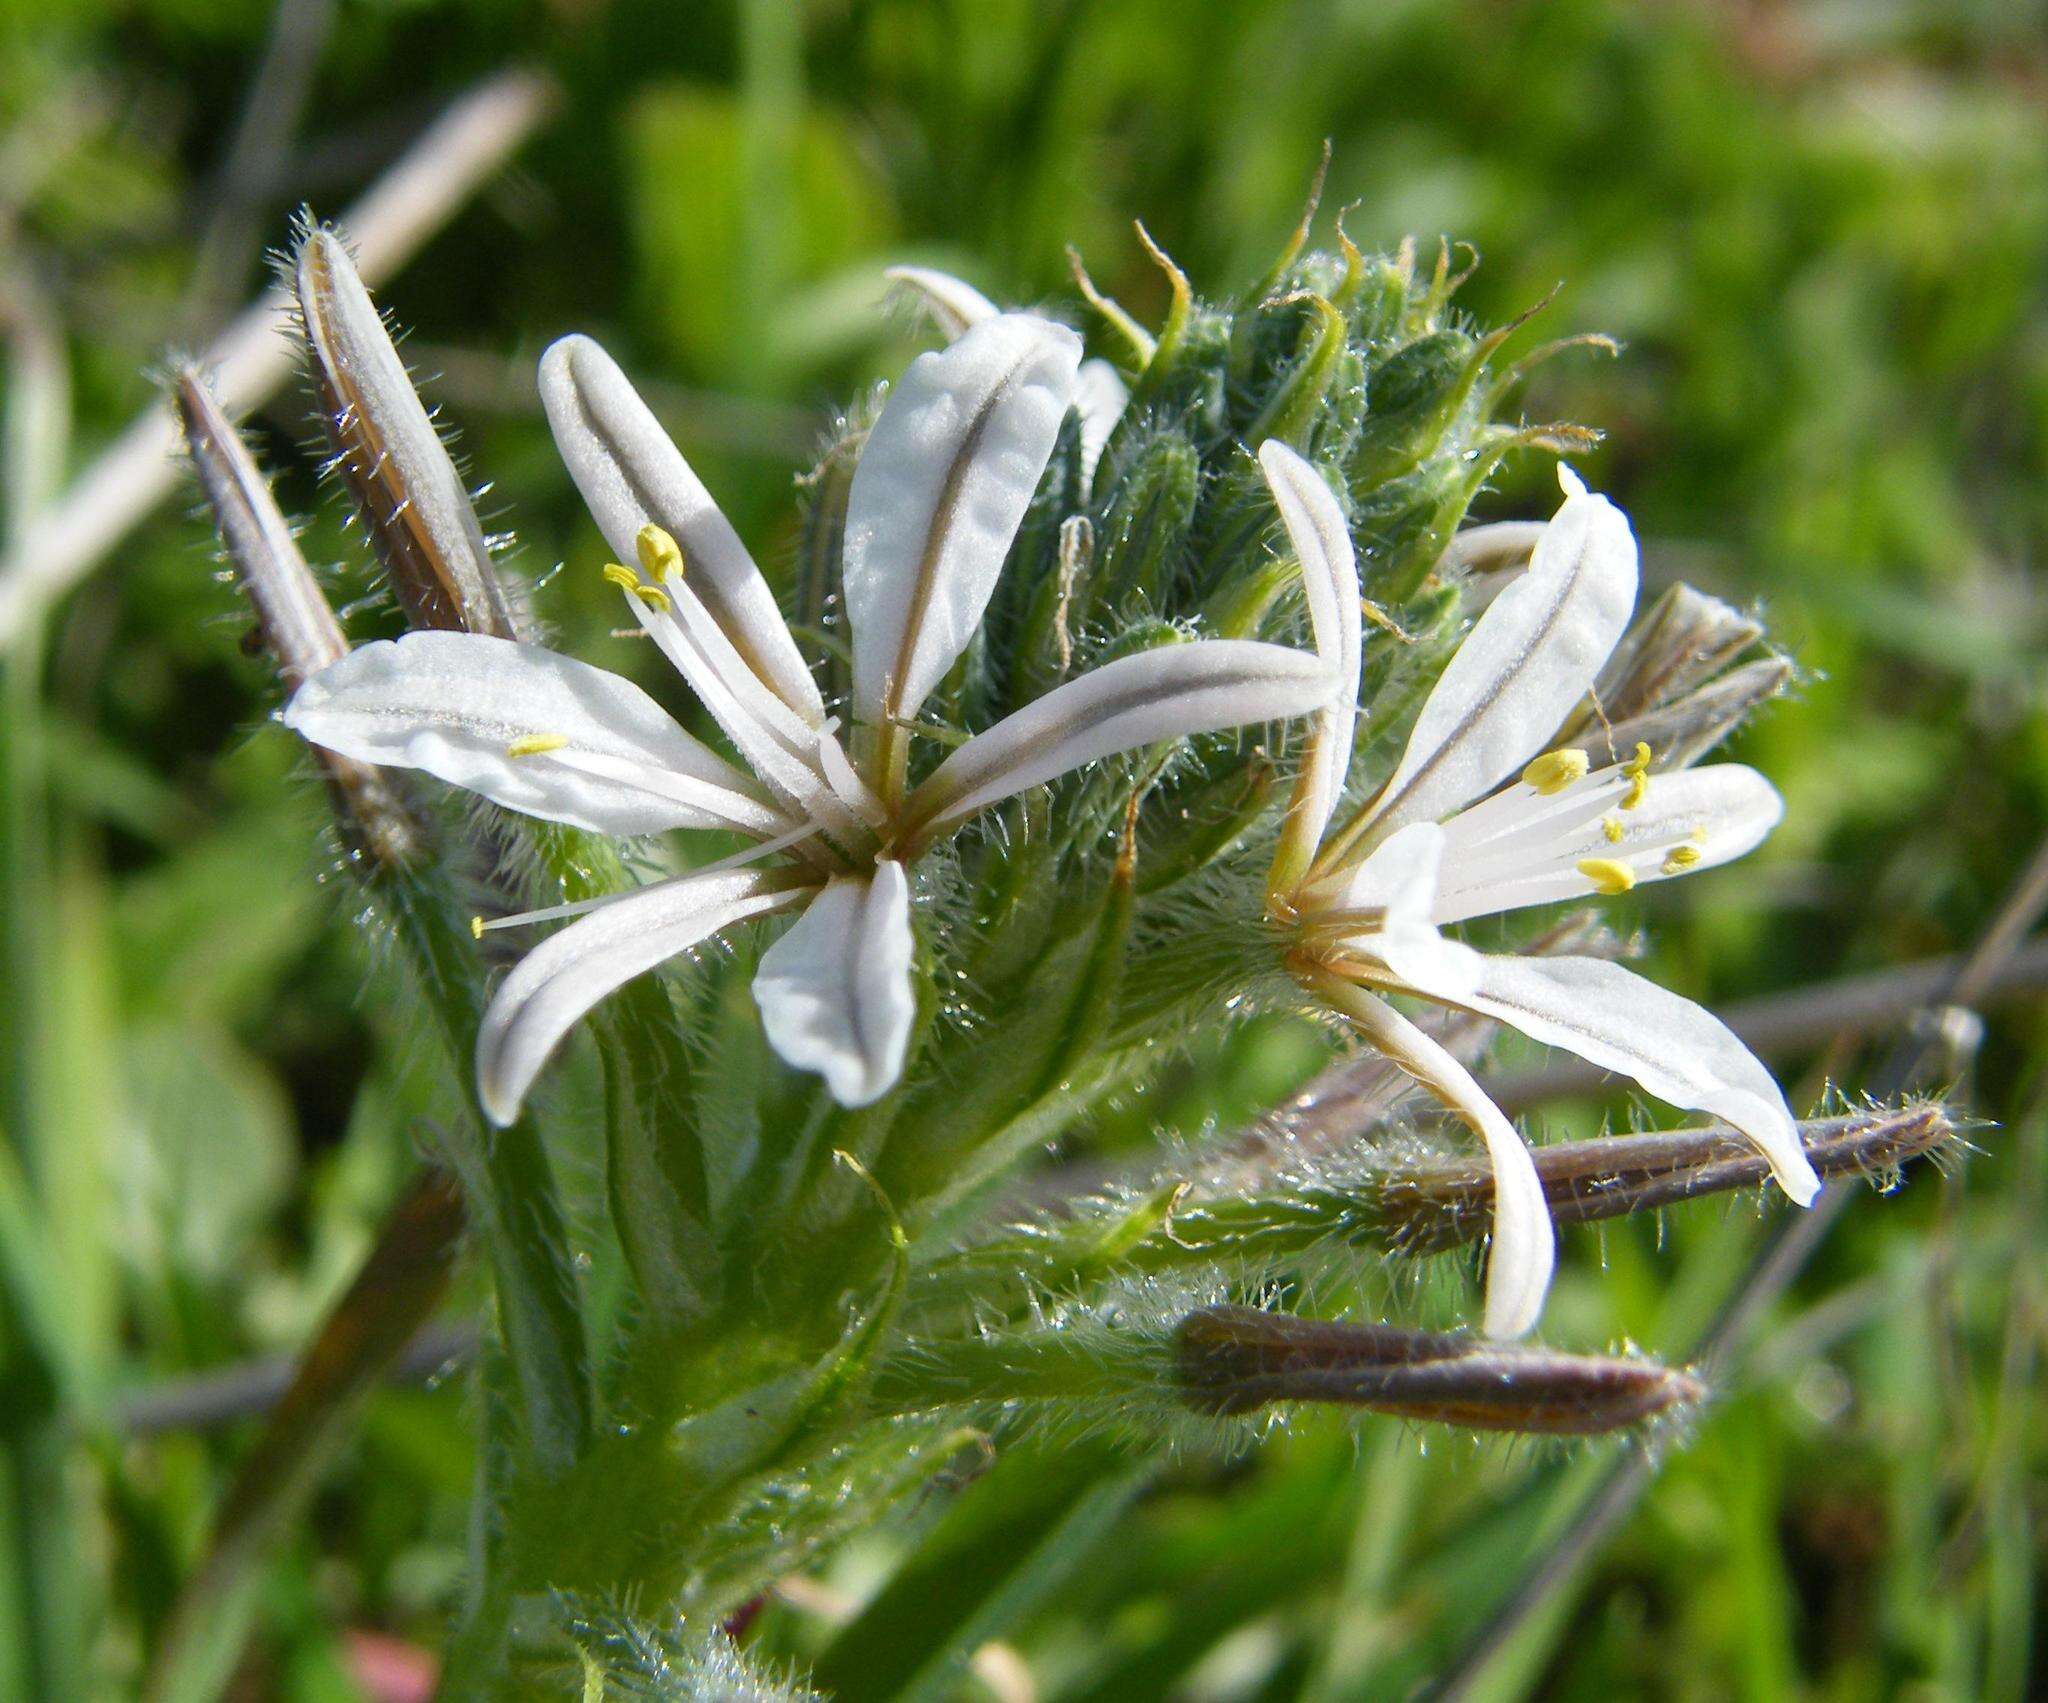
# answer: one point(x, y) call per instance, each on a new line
point(1399, 881)
point(458, 705)
point(954, 304)
point(1523, 668)
point(1100, 397)
point(1329, 578)
point(1686, 822)
point(630, 473)
point(941, 485)
point(1524, 1241)
point(569, 972)
point(787, 755)
point(1167, 693)
point(1493, 548)
point(835, 992)
point(1671, 1047)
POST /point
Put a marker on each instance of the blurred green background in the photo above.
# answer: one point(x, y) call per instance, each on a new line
point(1818, 228)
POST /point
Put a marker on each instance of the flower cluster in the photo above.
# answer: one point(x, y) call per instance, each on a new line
point(939, 491)
point(1109, 700)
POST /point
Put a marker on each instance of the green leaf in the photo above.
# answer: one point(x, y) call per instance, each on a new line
point(1008, 1543)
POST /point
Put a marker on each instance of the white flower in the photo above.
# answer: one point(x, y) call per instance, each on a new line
point(936, 498)
point(1371, 899)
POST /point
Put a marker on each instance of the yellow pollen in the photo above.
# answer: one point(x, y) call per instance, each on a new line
point(1699, 835)
point(1638, 788)
point(622, 577)
point(1680, 858)
point(1609, 875)
point(1552, 772)
point(536, 744)
point(476, 927)
point(654, 597)
point(661, 557)
point(1639, 764)
point(1612, 827)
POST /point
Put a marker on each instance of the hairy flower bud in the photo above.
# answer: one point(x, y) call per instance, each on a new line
point(292, 615)
point(405, 485)
point(1235, 1360)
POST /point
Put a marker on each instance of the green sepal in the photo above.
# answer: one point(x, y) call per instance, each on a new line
point(1415, 394)
point(507, 1178)
point(1061, 1004)
point(1190, 822)
point(655, 1164)
point(611, 1523)
point(1046, 637)
point(1030, 573)
point(1142, 535)
point(1296, 407)
point(821, 532)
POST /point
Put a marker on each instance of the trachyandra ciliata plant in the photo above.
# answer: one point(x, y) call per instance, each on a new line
point(1112, 699)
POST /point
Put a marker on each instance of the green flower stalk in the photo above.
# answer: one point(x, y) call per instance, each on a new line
point(1086, 765)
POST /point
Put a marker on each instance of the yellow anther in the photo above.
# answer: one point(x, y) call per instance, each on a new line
point(1612, 826)
point(1609, 875)
point(1638, 789)
point(661, 557)
point(1555, 770)
point(622, 577)
point(535, 744)
point(1681, 858)
point(1639, 764)
point(654, 597)
point(476, 927)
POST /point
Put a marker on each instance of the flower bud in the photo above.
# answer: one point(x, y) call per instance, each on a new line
point(1235, 1360)
point(405, 485)
point(292, 616)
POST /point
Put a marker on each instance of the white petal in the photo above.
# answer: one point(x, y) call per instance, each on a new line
point(1522, 669)
point(1100, 397)
point(787, 755)
point(1674, 1049)
point(1400, 880)
point(630, 474)
point(835, 992)
point(1492, 548)
point(953, 304)
point(1329, 577)
point(569, 972)
point(1167, 693)
point(1524, 1241)
point(455, 704)
point(941, 486)
point(1710, 816)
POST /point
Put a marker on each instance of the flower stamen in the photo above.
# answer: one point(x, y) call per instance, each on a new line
point(1609, 875)
point(661, 557)
point(536, 744)
point(1552, 772)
